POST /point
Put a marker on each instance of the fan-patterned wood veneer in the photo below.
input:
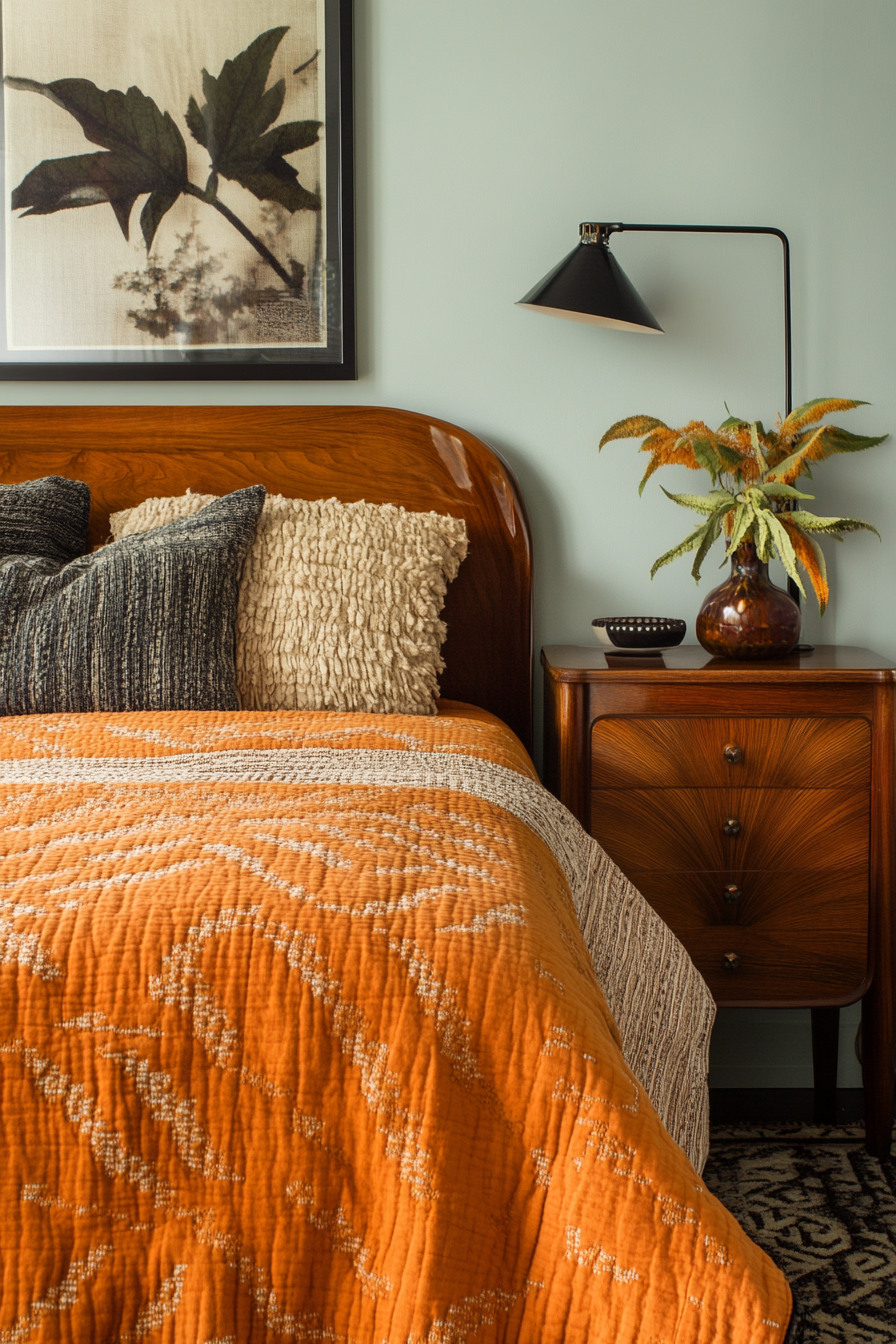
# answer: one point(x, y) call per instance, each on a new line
point(764, 837)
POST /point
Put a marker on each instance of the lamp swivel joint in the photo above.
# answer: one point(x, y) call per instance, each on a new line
point(597, 233)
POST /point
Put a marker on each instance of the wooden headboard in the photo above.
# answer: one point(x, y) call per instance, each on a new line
point(128, 453)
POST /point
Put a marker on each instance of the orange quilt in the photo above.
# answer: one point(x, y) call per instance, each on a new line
point(300, 1040)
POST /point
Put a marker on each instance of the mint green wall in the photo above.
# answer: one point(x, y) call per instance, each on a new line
point(486, 130)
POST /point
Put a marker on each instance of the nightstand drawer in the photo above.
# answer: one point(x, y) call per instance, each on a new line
point(686, 828)
point(630, 752)
point(775, 935)
point(829, 902)
point(743, 965)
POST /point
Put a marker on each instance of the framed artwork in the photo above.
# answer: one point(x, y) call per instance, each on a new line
point(178, 189)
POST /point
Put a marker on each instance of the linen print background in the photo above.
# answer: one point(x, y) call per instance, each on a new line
point(185, 209)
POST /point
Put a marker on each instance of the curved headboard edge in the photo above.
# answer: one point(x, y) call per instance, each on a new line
point(127, 453)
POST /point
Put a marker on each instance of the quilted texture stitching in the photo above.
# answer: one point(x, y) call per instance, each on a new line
point(326, 1060)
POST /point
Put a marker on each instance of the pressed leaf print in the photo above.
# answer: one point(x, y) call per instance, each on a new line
point(203, 148)
point(233, 126)
point(146, 154)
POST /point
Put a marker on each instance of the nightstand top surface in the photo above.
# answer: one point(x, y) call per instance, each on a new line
point(829, 662)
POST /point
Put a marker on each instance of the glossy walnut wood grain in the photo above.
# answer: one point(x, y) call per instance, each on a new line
point(819, 917)
point(830, 663)
point(685, 828)
point(788, 967)
point(788, 898)
point(815, 942)
point(630, 752)
point(127, 454)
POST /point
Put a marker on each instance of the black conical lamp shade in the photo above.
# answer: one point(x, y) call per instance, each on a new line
point(590, 286)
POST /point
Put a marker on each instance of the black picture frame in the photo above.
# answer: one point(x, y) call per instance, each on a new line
point(337, 360)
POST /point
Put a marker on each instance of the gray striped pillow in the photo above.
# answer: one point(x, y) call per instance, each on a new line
point(145, 623)
point(46, 517)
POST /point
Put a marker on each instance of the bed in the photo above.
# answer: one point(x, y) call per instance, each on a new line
point(336, 1026)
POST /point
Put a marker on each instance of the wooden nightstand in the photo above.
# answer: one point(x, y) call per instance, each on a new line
point(752, 804)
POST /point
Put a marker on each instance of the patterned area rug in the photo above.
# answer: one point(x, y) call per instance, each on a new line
point(825, 1212)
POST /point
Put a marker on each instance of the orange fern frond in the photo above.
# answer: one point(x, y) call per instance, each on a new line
point(713, 449)
point(738, 438)
point(748, 468)
point(677, 454)
point(750, 471)
point(811, 411)
point(811, 449)
point(810, 556)
point(815, 447)
point(698, 429)
point(633, 427)
point(659, 438)
point(652, 466)
point(667, 448)
point(777, 448)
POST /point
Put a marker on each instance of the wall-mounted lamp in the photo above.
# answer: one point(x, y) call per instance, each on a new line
point(590, 286)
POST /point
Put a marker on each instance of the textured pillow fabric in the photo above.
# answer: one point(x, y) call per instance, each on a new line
point(147, 623)
point(47, 517)
point(339, 603)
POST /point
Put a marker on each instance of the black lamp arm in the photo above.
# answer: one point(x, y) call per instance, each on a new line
point(602, 232)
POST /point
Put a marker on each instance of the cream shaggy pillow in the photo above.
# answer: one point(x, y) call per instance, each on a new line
point(339, 603)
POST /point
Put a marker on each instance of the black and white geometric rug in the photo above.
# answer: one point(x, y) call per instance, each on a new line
point(825, 1212)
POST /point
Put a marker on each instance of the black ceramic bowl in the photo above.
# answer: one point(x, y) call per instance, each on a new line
point(638, 634)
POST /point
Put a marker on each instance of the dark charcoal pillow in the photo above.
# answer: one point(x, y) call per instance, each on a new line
point(47, 517)
point(146, 623)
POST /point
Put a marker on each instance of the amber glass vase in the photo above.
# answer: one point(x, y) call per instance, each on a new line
point(748, 616)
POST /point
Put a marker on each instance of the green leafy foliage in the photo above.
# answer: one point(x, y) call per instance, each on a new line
point(758, 454)
point(740, 526)
point(711, 533)
point(837, 527)
point(777, 490)
point(733, 422)
point(702, 503)
point(754, 469)
point(144, 152)
point(690, 543)
point(782, 546)
point(233, 126)
point(753, 517)
point(706, 455)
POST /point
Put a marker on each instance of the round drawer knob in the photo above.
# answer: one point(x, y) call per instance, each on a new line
point(731, 961)
point(733, 754)
point(732, 826)
point(732, 893)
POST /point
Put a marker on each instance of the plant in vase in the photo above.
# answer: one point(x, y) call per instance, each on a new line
point(756, 506)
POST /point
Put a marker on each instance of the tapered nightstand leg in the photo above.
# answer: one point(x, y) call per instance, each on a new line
point(877, 1069)
point(825, 1041)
